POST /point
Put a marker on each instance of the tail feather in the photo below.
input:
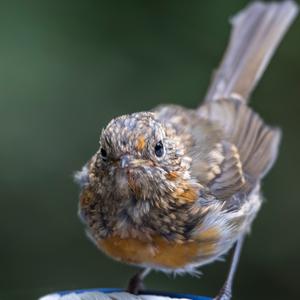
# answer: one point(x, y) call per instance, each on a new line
point(257, 31)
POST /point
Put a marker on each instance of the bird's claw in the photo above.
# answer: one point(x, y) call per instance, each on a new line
point(224, 294)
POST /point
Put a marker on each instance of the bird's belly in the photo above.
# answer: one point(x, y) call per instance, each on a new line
point(161, 253)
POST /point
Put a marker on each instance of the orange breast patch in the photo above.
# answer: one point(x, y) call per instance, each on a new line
point(185, 194)
point(160, 252)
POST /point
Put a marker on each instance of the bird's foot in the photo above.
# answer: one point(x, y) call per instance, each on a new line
point(135, 285)
point(223, 295)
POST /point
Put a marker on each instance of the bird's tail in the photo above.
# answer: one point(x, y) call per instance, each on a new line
point(256, 33)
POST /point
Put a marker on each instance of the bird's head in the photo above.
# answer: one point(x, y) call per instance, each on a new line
point(140, 155)
point(139, 175)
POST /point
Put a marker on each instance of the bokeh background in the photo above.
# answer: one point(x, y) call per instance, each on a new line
point(67, 68)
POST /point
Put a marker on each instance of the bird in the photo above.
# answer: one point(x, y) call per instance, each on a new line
point(174, 188)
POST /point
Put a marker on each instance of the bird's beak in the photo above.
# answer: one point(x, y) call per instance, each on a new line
point(129, 161)
point(124, 161)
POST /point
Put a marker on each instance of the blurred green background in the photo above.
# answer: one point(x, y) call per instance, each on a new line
point(67, 68)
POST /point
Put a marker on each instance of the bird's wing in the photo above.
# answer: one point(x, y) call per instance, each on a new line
point(242, 156)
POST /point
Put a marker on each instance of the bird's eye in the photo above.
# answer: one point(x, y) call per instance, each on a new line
point(159, 149)
point(103, 154)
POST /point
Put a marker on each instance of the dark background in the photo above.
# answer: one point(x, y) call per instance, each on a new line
point(67, 68)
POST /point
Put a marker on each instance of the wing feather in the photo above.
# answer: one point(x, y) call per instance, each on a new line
point(248, 147)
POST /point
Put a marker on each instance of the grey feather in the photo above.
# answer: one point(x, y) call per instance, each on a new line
point(249, 146)
point(257, 31)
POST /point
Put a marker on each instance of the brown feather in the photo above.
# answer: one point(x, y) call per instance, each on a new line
point(249, 146)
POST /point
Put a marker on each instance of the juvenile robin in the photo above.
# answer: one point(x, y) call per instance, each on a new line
point(174, 188)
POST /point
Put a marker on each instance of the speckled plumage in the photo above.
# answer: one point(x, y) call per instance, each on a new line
point(207, 179)
point(175, 188)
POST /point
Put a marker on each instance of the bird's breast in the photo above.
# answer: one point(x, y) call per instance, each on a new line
point(161, 253)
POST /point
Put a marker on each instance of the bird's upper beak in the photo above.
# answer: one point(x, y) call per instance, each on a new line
point(127, 161)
